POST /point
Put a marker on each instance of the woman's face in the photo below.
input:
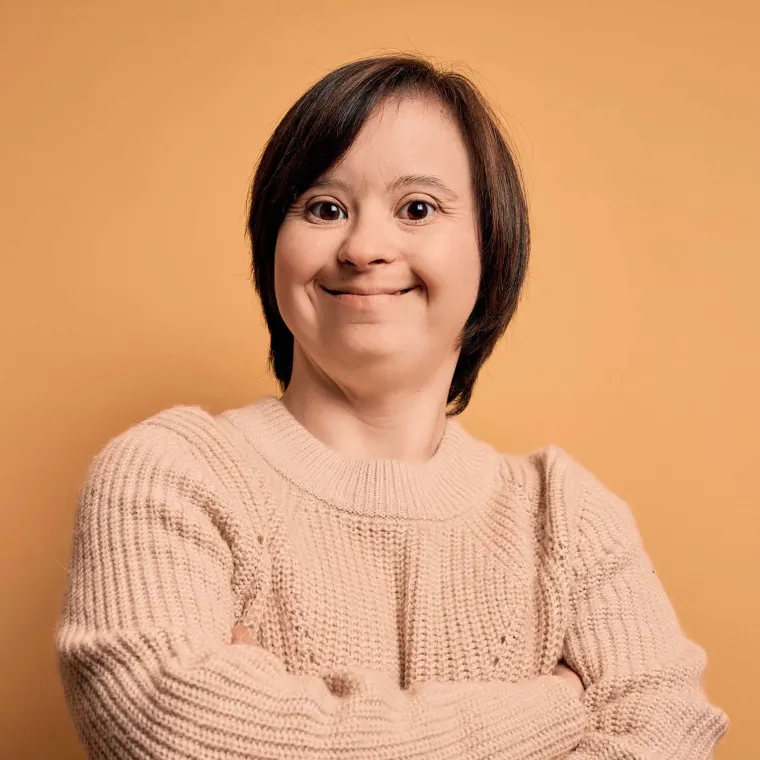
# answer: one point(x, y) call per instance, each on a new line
point(397, 212)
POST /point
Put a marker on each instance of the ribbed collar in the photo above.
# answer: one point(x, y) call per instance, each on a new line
point(460, 475)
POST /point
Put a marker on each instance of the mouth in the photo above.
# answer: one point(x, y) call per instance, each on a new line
point(364, 301)
point(368, 295)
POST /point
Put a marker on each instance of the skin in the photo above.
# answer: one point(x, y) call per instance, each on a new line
point(372, 382)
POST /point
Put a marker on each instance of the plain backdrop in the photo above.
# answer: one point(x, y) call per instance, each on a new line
point(128, 139)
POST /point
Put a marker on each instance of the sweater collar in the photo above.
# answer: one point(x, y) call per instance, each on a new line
point(462, 472)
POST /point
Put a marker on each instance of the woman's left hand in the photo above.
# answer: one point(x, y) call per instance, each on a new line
point(571, 677)
point(241, 635)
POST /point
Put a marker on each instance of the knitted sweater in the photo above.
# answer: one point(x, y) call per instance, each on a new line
point(399, 609)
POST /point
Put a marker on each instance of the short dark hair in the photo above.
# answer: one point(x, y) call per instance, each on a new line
point(320, 128)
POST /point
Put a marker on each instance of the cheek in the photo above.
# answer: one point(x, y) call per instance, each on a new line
point(293, 271)
point(288, 276)
point(288, 264)
point(301, 254)
point(296, 265)
point(456, 269)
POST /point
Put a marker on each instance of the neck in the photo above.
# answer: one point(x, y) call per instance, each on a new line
point(460, 474)
point(400, 427)
point(373, 414)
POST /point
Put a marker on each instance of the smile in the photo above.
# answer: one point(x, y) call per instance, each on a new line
point(360, 300)
point(367, 295)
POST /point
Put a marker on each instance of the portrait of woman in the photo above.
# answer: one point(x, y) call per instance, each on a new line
point(343, 570)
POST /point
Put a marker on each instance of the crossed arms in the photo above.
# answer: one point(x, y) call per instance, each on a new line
point(149, 669)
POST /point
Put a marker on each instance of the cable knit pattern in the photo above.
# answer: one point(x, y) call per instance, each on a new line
point(399, 610)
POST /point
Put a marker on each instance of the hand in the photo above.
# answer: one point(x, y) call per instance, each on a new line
point(571, 677)
point(241, 635)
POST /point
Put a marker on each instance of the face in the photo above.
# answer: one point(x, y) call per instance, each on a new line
point(397, 213)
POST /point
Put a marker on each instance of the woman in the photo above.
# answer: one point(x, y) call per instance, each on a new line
point(344, 571)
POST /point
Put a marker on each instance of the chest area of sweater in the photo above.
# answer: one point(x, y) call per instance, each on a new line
point(465, 599)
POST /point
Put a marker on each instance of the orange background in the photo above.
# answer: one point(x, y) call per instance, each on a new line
point(129, 139)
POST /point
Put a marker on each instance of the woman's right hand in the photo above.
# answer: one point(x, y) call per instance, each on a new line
point(571, 677)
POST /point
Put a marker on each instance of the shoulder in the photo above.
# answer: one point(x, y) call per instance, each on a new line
point(189, 440)
point(184, 460)
point(157, 448)
point(170, 433)
point(574, 504)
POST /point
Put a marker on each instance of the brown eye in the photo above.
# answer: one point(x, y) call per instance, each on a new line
point(325, 211)
point(418, 210)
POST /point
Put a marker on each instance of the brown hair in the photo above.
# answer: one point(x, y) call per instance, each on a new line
point(320, 128)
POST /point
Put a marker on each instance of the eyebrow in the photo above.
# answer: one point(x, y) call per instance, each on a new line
point(405, 180)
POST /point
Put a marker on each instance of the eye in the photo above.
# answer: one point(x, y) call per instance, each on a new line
point(418, 211)
point(329, 211)
point(325, 211)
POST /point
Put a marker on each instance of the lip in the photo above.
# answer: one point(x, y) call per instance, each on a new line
point(367, 300)
point(370, 291)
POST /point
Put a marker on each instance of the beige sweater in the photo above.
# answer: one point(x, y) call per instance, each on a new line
point(399, 610)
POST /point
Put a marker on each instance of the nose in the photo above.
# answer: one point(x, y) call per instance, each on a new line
point(368, 240)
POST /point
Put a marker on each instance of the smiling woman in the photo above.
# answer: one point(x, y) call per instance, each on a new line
point(344, 571)
point(405, 221)
point(391, 175)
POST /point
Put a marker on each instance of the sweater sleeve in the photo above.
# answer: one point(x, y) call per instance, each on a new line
point(159, 555)
point(642, 675)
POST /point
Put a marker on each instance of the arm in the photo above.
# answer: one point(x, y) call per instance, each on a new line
point(642, 675)
point(149, 670)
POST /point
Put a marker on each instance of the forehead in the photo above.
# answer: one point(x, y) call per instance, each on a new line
point(411, 134)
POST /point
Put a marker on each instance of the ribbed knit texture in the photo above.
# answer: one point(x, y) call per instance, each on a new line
point(400, 610)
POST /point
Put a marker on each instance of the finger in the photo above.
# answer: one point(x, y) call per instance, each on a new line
point(241, 635)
